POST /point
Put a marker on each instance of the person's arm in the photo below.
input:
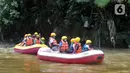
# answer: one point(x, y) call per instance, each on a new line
point(34, 41)
point(24, 40)
point(90, 47)
point(60, 44)
point(83, 49)
point(50, 42)
point(71, 48)
point(42, 42)
point(76, 48)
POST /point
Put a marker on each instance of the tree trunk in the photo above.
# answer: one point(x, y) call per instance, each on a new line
point(1, 34)
point(112, 30)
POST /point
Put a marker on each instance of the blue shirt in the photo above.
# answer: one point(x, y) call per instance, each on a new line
point(60, 44)
point(71, 48)
point(85, 48)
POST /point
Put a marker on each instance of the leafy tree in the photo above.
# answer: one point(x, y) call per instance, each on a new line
point(8, 13)
point(101, 3)
point(61, 16)
point(128, 1)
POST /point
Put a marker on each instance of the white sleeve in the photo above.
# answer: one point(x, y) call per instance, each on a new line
point(87, 46)
point(51, 40)
point(73, 45)
point(24, 40)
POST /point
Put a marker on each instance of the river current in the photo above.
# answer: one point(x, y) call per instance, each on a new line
point(115, 61)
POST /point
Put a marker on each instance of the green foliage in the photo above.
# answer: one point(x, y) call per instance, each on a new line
point(101, 3)
point(128, 1)
point(8, 11)
point(82, 0)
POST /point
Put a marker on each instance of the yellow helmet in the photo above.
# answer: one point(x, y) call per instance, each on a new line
point(53, 34)
point(35, 33)
point(72, 40)
point(38, 36)
point(77, 39)
point(43, 38)
point(64, 37)
point(25, 35)
point(29, 34)
point(88, 41)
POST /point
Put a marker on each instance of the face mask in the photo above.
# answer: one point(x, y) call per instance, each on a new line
point(65, 39)
point(53, 36)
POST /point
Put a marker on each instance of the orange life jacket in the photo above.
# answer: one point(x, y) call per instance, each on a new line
point(79, 50)
point(37, 41)
point(54, 41)
point(29, 41)
point(64, 46)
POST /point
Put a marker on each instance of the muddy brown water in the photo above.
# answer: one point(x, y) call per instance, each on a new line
point(115, 61)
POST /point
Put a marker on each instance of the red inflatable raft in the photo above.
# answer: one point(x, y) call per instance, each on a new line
point(33, 49)
point(88, 57)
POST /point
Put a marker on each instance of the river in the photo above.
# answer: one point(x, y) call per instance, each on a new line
point(115, 61)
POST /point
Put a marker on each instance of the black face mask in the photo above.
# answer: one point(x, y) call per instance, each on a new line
point(53, 36)
point(65, 39)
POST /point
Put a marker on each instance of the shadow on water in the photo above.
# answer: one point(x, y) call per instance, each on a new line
point(115, 61)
